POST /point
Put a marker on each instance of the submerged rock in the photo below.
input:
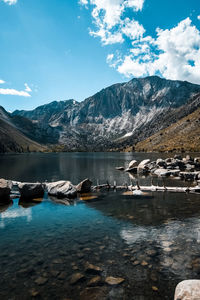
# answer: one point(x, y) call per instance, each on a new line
point(114, 280)
point(92, 269)
point(41, 280)
point(94, 293)
point(61, 189)
point(84, 186)
point(188, 290)
point(95, 281)
point(76, 277)
point(31, 190)
point(5, 189)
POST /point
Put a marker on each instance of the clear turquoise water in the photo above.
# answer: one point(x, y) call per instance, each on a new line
point(150, 242)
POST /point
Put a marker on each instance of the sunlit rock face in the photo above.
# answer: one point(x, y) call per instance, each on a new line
point(120, 112)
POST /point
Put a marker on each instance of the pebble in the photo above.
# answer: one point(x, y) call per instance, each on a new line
point(41, 280)
point(76, 277)
point(92, 269)
point(114, 280)
point(94, 281)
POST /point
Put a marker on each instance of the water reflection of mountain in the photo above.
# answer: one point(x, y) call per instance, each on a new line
point(161, 209)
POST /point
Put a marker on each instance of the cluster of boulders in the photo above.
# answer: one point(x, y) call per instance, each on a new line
point(186, 168)
point(29, 191)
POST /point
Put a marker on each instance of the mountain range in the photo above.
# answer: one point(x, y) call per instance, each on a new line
point(119, 117)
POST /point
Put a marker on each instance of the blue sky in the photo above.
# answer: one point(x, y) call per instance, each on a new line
point(62, 49)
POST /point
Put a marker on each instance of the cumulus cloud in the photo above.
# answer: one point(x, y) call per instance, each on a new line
point(173, 53)
point(10, 2)
point(2, 81)
point(109, 20)
point(198, 17)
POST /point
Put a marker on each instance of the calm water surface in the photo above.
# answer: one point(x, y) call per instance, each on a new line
point(153, 243)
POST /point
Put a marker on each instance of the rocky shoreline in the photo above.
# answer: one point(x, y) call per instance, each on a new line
point(185, 168)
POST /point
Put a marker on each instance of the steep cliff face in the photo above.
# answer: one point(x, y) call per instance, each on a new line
point(115, 116)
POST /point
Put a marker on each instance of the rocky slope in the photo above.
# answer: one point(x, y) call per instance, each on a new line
point(12, 139)
point(117, 116)
point(183, 135)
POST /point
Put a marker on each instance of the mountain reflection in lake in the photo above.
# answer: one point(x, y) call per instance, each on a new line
point(152, 243)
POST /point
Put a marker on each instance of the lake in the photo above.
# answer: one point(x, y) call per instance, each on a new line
point(54, 251)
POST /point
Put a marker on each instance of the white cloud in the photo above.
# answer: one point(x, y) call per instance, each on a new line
point(83, 2)
point(2, 81)
point(10, 2)
point(137, 4)
point(198, 17)
point(109, 20)
point(174, 53)
point(27, 88)
point(132, 29)
point(14, 92)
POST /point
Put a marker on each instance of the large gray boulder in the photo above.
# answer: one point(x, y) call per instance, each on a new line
point(188, 290)
point(5, 189)
point(84, 186)
point(143, 166)
point(61, 189)
point(143, 163)
point(29, 190)
point(162, 172)
point(132, 164)
point(161, 163)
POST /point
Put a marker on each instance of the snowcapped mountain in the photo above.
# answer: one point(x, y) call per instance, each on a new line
point(113, 115)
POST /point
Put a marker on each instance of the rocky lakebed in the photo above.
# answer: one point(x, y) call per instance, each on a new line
point(85, 241)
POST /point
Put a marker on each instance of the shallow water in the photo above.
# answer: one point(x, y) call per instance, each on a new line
point(152, 243)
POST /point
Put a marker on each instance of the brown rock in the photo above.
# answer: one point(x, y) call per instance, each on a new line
point(95, 281)
point(114, 280)
point(76, 277)
point(41, 280)
point(93, 269)
point(95, 293)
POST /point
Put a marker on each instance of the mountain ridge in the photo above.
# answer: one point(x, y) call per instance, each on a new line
point(121, 114)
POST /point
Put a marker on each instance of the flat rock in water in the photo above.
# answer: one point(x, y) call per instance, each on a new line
point(187, 290)
point(61, 189)
point(5, 189)
point(84, 186)
point(76, 277)
point(114, 280)
point(30, 190)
